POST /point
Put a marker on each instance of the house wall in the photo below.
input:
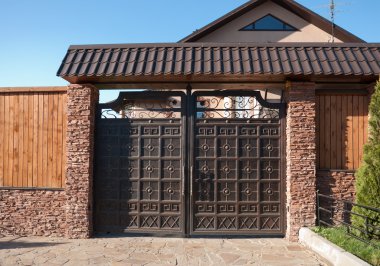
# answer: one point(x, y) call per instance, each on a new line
point(230, 32)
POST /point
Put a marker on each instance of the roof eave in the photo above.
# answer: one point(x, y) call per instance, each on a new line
point(219, 79)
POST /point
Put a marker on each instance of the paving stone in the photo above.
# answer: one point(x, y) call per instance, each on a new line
point(154, 251)
point(294, 248)
point(229, 257)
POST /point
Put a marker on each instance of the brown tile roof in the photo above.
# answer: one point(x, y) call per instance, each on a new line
point(207, 59)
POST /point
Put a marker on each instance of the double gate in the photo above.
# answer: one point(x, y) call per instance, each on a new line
point(205, 163)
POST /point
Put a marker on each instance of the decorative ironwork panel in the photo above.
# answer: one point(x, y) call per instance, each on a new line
point(237, 176)
point(139, 164)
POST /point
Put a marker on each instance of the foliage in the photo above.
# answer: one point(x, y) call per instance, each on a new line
point(339, 237)
point(368, 175)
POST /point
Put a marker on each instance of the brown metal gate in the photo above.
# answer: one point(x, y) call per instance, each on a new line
point(139, 175)
point(202, 164)
point(236, 183)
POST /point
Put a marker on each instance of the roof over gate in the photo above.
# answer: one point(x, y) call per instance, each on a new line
point(218, 62)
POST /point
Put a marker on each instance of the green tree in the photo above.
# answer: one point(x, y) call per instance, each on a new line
point(368, 175)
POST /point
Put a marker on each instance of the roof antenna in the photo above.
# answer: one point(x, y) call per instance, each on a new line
point(332, 13)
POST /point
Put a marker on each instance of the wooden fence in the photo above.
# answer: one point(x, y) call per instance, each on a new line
point(342, 130)
point(33, 137)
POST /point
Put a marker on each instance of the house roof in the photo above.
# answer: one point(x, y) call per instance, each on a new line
point(290, 5)
point(188, 61)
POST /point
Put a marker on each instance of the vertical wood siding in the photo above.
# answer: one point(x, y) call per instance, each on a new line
point(342, 130)
point(32, 139)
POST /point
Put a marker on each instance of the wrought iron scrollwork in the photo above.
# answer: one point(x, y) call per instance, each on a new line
point(130, 107)
point(236, 107)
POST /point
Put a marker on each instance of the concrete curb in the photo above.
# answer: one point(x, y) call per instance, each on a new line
point(329, 251)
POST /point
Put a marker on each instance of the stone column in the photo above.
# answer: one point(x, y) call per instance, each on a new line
point(300, 157)
point(81, 108)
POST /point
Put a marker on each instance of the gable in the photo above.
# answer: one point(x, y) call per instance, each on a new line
point(231, 32)
point(311, 26)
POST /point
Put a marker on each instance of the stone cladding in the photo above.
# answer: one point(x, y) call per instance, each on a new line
point(300, 157)
point(81, 104)
point(32, 212)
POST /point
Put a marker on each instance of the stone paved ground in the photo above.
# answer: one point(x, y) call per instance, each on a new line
point(152, 251)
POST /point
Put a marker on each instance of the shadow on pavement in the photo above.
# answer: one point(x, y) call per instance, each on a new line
point(13, 244)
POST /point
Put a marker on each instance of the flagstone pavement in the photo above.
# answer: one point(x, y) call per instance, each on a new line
point(118, 250)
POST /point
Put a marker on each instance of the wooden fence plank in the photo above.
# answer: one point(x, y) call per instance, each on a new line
point(23, 143)
point(322, 134)
point(355, 132)
point(6, 140)
point(40, 164)
point(59, 139)
point(333, 137)
point(55, 181)
point(344, 131)
point(50, 140)
point(366, 104)
point(327, 131)
point(11, 134)
point(318, 114)
point(45, 140)
point(30, 142)
point(363, 113)
point(350, 161)
point(339, 134)
point(16, 140)
point(2, 114)
point(35, 139)
point(64, 142)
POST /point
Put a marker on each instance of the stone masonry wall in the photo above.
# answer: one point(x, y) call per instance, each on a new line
point(341, 186)
point(82, 100)
point(301, 157)
point(338, 184)
point(32, 212)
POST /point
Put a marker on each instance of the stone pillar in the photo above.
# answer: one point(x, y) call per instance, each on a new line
point(300, 157)
point(81, 109)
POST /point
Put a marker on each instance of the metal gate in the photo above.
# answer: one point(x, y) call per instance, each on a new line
point(139, 164)
point(236, 183)
point(205, 163)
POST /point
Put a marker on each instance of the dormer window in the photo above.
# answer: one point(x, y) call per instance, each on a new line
point(269, 23)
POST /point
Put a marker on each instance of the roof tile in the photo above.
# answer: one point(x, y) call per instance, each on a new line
point(222, 59)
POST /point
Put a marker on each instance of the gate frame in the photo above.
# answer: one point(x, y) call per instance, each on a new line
point(183, 110)
point(188, 109)
point(281, 107)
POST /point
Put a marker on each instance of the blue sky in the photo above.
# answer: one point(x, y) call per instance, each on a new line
point(35, 34)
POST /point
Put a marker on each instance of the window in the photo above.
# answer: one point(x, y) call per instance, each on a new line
point(269, 23)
